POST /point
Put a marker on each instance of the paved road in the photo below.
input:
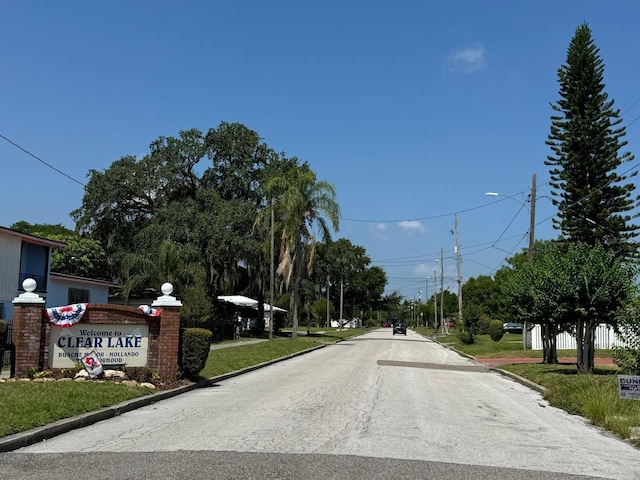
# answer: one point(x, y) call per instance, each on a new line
point(377, 406)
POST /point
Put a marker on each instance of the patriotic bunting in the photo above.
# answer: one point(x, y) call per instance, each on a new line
point(150, 312)
point(66, 316)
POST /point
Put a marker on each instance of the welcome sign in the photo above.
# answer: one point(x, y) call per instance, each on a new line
point(113, 344)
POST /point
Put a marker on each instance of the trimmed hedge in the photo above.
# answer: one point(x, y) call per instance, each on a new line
point(195, 350)
point(495, 330)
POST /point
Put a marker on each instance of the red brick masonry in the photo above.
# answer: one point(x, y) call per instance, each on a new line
point(31, 332)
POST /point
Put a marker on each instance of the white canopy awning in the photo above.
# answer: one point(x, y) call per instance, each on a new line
point(267, 308)
point(242, 301)
point(239, 300)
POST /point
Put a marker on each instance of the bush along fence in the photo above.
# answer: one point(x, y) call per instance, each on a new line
point(114, 335)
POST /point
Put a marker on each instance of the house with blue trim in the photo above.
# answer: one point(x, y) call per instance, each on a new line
point(25, 256)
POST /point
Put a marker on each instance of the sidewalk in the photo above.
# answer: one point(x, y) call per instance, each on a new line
point(239, 343)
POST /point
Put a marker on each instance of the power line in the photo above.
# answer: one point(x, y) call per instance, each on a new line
point(42, 161)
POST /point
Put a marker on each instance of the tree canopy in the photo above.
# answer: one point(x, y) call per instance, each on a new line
point(586, 138)
point(187, 212)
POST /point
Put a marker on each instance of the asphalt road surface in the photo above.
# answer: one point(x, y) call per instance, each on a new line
point(376, 406)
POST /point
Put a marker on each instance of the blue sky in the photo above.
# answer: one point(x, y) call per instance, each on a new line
point(412, 109)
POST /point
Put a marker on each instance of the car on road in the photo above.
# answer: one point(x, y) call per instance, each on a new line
point(510, 327)
point(400, 329)
point(386, 325)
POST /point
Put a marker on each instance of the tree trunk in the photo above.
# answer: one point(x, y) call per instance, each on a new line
point(548, 333)
point(580, 333)
point(298, 264)
point(259, 328)
point(553, 343)
point(586, 349)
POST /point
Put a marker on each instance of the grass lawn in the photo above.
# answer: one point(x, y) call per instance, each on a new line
point(510, 345)
point(26, 405)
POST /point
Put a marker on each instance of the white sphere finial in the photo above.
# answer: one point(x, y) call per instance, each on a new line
point(166, 289)
point(29, 285)
point(166, 300)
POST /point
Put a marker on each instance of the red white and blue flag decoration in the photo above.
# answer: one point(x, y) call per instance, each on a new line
point(66, 316)
point(150, 312)
point(92, 364)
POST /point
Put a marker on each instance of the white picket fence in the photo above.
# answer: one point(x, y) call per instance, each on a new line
point(605, 338)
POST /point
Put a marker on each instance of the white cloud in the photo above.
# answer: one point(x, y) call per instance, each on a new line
point(380, 230)
point(412, 226)
point(467, 59)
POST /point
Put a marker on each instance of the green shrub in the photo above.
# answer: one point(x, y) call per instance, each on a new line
point(495, 330)
point(466, 337)
point(484, 323)
point(195, 350)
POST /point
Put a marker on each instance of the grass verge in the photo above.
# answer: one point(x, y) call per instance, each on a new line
point(594, 396)
point(26, 405)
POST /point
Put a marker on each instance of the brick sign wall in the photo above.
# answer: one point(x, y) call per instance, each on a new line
point(40, 344)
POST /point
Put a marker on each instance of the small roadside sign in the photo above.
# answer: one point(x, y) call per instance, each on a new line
point(91, 364)
point(629, 386)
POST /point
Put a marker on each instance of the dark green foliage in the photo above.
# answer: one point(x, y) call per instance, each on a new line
point(466, 337)
point(467, 326)
point(627, 355)
point(484, 323)
point(4, 329)
point(495, 330)
point(195, 350)
point(484, 291)
point(593, 203)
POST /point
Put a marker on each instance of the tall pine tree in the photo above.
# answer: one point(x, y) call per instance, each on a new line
point(594, 203)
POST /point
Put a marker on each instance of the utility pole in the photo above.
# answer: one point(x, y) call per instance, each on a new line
point(442, 290)
point(426, 301)
point(272, 274)
point(459, 272)
point(328, 316)
point(532, 222)
point(341, 302)
point(435, 299)
point(526, 337)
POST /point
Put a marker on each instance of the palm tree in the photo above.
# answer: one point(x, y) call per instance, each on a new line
point(304, 206)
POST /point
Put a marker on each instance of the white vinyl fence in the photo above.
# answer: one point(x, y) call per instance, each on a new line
point(605, 338)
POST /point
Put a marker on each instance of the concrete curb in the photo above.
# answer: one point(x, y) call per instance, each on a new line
point(521, 380)
point(38, 434)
